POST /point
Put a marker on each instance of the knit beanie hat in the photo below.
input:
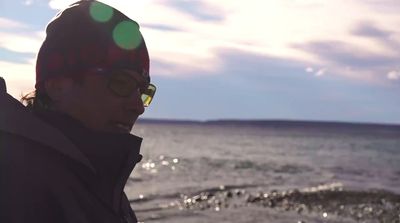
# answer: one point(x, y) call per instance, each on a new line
point(90, 34)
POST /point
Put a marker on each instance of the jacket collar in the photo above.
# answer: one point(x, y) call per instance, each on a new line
point(16, 119)
point(93, 150)
point(113, 155)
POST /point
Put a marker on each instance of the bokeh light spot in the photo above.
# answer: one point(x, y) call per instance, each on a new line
point(101, 12)
point(127, 35)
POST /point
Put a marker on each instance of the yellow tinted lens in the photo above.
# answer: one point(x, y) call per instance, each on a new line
point(148, 95)
point(146, 100)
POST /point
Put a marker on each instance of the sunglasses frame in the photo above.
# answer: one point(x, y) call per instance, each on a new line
point(146, 96)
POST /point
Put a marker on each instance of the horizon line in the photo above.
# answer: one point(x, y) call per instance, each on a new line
point(244, 121)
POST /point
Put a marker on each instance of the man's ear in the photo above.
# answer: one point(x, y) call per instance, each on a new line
point(58, 88)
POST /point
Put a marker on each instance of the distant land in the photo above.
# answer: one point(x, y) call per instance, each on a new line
point(275, 123)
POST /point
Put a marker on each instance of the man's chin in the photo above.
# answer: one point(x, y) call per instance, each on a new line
point(119, 128)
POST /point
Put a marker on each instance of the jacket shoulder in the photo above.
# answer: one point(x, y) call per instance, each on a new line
point(16, 119)
point(26, 160)
point(32, 180)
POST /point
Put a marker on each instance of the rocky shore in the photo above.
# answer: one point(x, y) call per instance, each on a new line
point(326, 200)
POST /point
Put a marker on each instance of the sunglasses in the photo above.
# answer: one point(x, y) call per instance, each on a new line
point(124, 84)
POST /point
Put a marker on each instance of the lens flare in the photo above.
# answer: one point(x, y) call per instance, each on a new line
point(127, 35)
point(101, 12)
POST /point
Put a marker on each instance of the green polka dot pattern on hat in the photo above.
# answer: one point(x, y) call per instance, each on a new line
point(127, 35)
point(101, 12)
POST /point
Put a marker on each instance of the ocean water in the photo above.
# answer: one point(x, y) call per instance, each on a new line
point(213, 172)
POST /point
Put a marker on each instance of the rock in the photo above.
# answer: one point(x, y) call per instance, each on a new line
point(228, 194)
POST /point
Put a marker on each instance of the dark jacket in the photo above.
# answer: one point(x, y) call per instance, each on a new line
point(53, 169)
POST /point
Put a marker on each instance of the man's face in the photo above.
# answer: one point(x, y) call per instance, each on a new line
point(99, 108)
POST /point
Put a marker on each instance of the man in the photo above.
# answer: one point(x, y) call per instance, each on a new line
point(65, 157)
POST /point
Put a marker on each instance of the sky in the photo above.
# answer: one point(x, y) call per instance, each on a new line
point(314, 60)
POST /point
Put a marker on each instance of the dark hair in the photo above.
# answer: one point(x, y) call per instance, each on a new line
point(3, 86)
point(37, 100)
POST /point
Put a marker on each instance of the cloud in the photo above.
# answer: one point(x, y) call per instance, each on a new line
point(20, 78)
point(344, 54)
point(11, 24)
point(369, 30)
point(320, 72)
point(15, 57)
point(393, 75)
point(276, 29)
point(384, 6)
point(160, 27)
point(388, 39)
point(243, 69)
point(18, 47)
point(199, 10)
point(28, 2)
point(186, 34)
point(18, 42)
point(19, 37)
point(250, 85)
point(349, 60)
point(60, 4)
point(133, 6)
